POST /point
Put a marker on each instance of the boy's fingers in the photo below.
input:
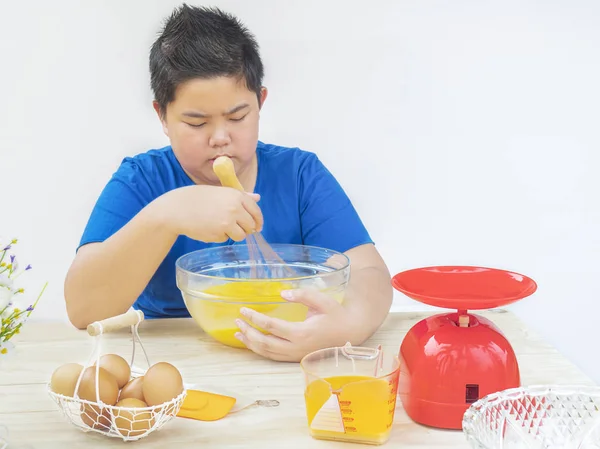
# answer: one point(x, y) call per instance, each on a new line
point(236, 233)
point(254, 210)
point(246, 221)
point(267, 346)
point(311, 298)
point(278, 327)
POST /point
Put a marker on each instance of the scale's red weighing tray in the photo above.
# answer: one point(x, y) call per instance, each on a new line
point(464, 287)
point(452, 359)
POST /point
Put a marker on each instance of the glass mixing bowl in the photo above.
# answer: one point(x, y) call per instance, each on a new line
point(217, 282)
point(537, 417)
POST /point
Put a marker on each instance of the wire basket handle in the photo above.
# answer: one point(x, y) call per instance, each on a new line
point(130, 318)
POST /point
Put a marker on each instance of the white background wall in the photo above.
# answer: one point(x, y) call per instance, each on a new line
point(466, 132)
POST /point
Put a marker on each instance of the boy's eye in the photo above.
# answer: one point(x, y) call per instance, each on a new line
point(195, 125)
point(238, 119)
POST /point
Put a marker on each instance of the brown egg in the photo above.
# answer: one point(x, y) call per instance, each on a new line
point(133, 389)
point(64, 379)
point(162, 383)
point(107, 386)
point(117, 366)
point(132, 423)
point(96, 417)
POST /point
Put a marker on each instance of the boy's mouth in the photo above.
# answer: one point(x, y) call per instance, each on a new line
point(212, 161)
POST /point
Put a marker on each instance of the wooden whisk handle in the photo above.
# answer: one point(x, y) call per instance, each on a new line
point(129, 318)
point(225, 171)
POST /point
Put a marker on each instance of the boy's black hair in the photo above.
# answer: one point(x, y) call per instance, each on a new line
point(202, 42)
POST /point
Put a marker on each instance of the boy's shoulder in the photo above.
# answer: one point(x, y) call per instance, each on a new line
point(157, 162)
point(155, 170)
point(280, 156)
point(150, 158)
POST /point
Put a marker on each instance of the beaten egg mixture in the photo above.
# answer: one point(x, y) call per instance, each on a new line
point(217, 307)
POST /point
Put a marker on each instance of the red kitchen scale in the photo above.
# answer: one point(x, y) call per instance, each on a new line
point(450, 360)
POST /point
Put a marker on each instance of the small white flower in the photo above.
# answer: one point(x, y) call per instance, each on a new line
point(6, 296)
point(4, 279)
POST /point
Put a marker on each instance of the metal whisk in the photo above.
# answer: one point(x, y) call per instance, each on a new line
point(266, 263)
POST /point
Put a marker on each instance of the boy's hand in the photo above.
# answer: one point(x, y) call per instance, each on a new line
point(328, 324)
point(210, 213)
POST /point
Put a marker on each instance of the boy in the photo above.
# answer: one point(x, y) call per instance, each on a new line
point(206, 75)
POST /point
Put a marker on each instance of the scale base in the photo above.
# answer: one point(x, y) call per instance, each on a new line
point(450, 360)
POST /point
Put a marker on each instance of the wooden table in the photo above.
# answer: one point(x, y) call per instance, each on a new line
point(34, 421)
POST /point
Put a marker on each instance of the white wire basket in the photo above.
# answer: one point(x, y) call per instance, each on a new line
point(126, 423)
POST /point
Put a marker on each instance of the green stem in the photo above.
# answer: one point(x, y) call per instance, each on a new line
point(38, 298)
point(2, 311)
point(18, 274)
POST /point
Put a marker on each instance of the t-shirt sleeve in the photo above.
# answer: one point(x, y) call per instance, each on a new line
point(328, 217)
point(125, 194)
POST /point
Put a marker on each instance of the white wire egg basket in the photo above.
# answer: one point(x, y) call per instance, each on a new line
point(126, 423)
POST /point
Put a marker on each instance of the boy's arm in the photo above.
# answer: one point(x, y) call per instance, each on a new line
point(331, 221)
point(369, 293)
point(131, 230)
point(107, 277)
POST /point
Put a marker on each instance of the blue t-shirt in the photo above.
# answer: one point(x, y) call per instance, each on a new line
point(301, 202)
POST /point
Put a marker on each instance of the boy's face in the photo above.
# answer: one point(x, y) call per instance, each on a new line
point(210, 118)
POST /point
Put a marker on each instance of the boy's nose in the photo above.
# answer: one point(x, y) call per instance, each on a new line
point(219, 138)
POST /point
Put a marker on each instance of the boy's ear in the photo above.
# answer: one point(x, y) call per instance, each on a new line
point(156, 107)
point(263, 96)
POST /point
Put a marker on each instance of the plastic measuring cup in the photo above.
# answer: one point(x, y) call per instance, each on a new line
point(350, 393)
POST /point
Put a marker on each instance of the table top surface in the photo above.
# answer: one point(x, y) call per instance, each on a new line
point(34, 421)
